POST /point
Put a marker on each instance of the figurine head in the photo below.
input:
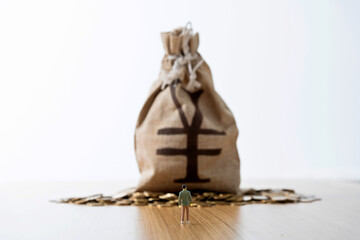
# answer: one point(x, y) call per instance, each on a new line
point(183, 186)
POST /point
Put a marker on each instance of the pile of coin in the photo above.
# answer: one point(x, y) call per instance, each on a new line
point(199, 199)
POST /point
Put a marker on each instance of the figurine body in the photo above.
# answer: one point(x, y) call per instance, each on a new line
point(185, 200)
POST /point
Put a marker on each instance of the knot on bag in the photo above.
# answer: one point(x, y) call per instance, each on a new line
point(183, 62)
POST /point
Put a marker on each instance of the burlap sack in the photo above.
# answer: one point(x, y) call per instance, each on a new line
point(185, 132)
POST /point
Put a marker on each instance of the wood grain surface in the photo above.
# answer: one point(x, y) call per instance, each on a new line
point(26, 213)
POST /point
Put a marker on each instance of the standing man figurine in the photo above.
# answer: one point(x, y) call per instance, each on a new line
point(185, 200)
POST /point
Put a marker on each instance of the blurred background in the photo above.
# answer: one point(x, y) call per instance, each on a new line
point(74, 75)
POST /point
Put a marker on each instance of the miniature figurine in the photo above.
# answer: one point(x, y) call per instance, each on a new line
point(184, 200)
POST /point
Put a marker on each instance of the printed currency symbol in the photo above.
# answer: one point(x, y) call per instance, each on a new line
point(192, 131)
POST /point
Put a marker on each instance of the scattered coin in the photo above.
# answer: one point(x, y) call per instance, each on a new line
point(94, 204)
point(259, 198)
point(138, 195)
point(152, 194)
point(153, 199)
point(208, 194)
point(168, 196)
point(138, 204)
point(140, 200)
point(246, 198)
point(199, 199)
point(126, 193)
point(278, 198)
point(123, 202)
point(308, 198)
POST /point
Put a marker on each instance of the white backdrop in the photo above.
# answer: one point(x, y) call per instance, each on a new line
point(74, 75)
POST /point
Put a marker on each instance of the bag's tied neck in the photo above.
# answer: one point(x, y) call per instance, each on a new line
point(183, 61)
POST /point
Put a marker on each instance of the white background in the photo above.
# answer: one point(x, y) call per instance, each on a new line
point(75, 74)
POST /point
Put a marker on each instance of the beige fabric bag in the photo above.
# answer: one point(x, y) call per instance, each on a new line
point(185, 132)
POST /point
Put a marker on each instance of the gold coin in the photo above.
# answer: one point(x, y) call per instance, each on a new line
point(140, 200)
point(82, 201)
point(94, 204)
point(153, 199)
point(259, 197)
point(123, 202)
point(168, 196)
point(152, 194)
point(138, 204)
point(278, 198)
point(208, 194)
point(138, 195)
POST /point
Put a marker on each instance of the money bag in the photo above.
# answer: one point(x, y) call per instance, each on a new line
point(185, 133)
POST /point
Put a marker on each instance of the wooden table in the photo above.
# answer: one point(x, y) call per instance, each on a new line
point(26, 213)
